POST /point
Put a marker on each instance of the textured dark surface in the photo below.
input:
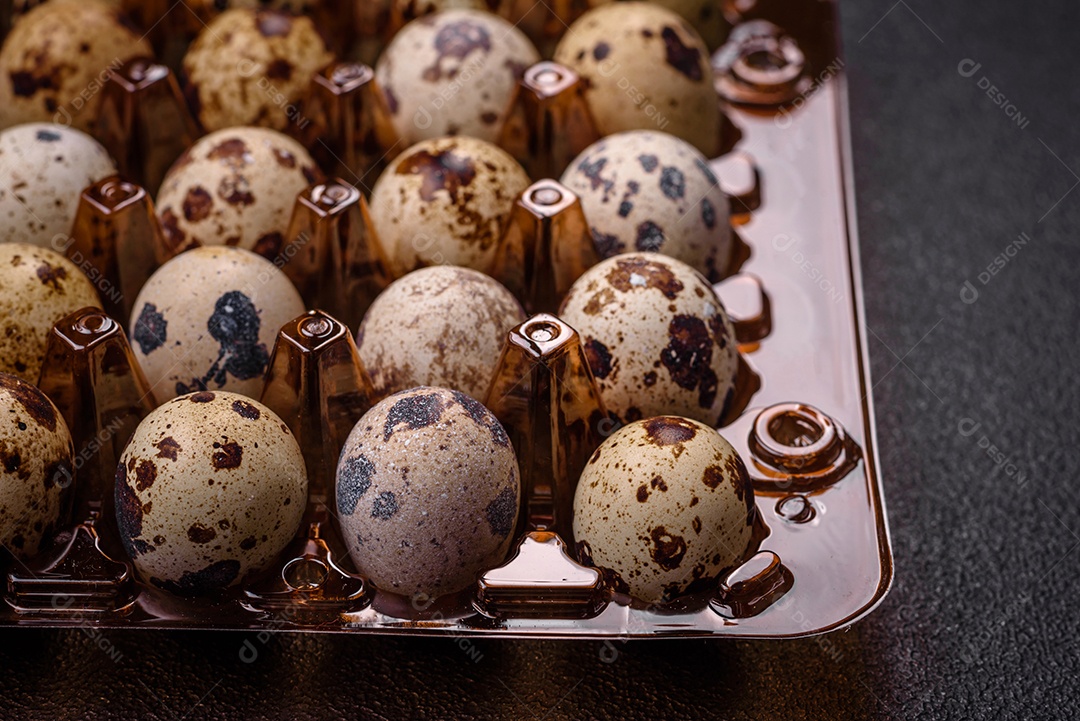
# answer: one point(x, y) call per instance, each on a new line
point(981, 622)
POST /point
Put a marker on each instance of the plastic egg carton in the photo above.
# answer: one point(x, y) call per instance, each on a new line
point(802, 419)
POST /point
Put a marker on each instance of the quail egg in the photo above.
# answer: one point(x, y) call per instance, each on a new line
point(235, 187)
point(210, 488)
point(445, 201)
point(649, 191)
point(37, 288)
point(453, 73)
point(644, 68)
point(656, 336)
point(36, 465)
point(208, 319)
point(45, 167)
point(427, 492)
point(440, 326)
point(57, 57)
point(667, 503)
point(252, 67)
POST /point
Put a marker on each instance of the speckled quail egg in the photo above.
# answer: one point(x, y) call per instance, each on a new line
point(36, 463)
point(208, 319)
point(427, 492)
point(453, 73)
point(37, 288)
point(644, 68)
point(235, 187)
point(649, 191)
point(210, 488)
point(667, 503)
point(439, 326)
point(252, 67)
point(657, 338)
point(57, 57)
point(445, 201)
point(45, 167)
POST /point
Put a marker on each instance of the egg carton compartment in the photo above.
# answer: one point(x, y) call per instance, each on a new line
point(800, 416)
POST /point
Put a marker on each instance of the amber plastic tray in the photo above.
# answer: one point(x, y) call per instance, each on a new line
point(824, 559)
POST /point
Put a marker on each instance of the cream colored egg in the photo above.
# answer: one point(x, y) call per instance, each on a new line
point(453, 73)
point(445, 201)
point(440, 326)
point(645, 68)
point(38, 287)
point(44, 168)
point(657, 338)
point(253, 67)
point(208, 320)
point(36, 466)
point(210, 488)
point(235, 187)
point(57, 57)
point(427, 492)
point(650, 191)
point(667, 503)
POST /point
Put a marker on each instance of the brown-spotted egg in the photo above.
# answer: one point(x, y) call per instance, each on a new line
point(37, 288)
point(210, 488)
point(667, 503)
point(644, 68)
point(445, 201)
point(427, 492)
point(36, 465)
point(453, 73)
point(657, 338)
point(45, 167)
point(650, 191)
point(253, 67)
point(235, 187)
point(56, 59)
point(439, 326)
point(208, 319)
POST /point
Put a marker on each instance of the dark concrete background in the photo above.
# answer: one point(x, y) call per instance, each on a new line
point(981, 622)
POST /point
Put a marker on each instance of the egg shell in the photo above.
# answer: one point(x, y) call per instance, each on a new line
point(252, 67)
point(657, 338)
point(235, 187)
point(428, 492)
point(208, 320)
point(644, 68)
point(650, 191)
point(453, 73)
point(440, 326)
point(45, 167)
point(667, 503)
point(36, 466)
point(56, 58)
point(706, 17)
point(37, 288)
point(210, 488)
point(445, 201)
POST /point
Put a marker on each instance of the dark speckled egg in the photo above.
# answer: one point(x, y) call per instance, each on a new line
point(210, 488)
point(667, 503)
point(445, 201)
point(36, 463)
point(644, 67)
point(252, 67)
point(657, 338)
point(650, 191)
point(236, 187)
point(453, 73)
point(208, 320)
point(427, 492)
